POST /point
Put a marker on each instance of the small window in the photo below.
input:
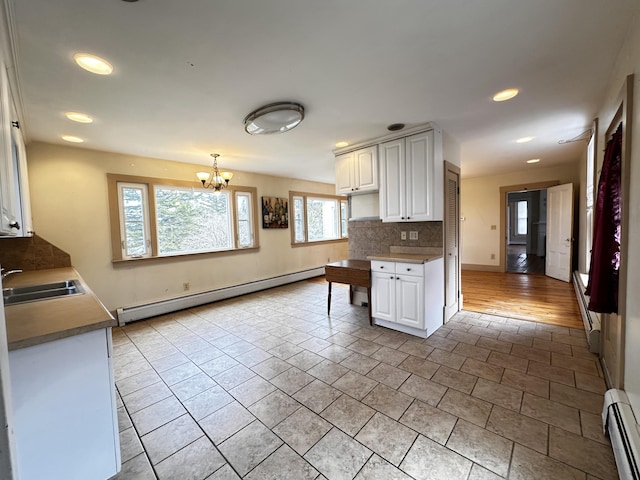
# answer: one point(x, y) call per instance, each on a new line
point(318, 218)
point(522, 218)
point(134, 220)
point(244, 223)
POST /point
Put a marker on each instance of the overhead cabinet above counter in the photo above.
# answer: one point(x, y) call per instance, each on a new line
point(357, 171)
point(407, 169)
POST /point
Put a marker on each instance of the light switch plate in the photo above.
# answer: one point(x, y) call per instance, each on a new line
point(403, 235)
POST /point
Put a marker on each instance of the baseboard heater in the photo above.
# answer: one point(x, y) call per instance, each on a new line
point(590, 319)
point(161, 307)
point(620, 424)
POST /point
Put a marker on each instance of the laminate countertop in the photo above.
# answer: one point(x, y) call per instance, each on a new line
point(36, 322)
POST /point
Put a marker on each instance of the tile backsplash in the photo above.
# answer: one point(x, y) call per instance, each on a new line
point(373, 237)
point(31, 253)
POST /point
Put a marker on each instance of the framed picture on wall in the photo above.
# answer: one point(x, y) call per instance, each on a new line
point(275, 212)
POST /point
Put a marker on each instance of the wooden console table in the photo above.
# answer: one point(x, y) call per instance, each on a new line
point(355, 273)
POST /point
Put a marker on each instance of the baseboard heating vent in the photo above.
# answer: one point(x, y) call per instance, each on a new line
point(590, 319)
point(148, 310)
point(620, 424)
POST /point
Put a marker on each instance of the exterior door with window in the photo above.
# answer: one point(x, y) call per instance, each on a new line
point(559, 232)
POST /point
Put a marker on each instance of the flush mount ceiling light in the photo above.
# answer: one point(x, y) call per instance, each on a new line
point(524, 139)
point(533, 160)
point(274, 118)
point(507, 94)
point(72, 139)
point(79, 117)
point(342, 144)
point(93, 64)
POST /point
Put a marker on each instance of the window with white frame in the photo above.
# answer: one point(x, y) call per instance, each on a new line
point(318, 218)
point(163, 218)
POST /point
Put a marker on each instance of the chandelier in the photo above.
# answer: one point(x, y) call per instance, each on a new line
point(215, 179)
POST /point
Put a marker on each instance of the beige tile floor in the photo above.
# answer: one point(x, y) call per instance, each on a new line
point(266, 386)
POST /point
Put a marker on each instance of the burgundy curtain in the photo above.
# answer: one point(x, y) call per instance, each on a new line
point(605, 253)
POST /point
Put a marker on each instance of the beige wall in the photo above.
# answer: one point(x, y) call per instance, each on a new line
point(69, 201)
point(480, 208)
point(628, 62)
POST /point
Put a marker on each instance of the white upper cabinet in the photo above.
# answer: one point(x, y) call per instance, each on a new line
point(15, 211)
point(357, 171)
point(411, 183)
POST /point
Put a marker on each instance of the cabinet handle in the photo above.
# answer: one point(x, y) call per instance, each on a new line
point(391, 277)
point(408, 218)
point(381, 267)
point(408, 269)
point(15, 225)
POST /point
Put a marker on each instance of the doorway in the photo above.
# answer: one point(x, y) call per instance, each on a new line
point(526, 218)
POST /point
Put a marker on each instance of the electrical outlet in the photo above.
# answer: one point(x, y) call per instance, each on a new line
point(493, 227)
point(403, 235)
point(413, 235)
point(493, 256)
point(185, 286)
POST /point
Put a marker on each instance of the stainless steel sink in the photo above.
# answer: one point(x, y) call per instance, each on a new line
point(43, 291)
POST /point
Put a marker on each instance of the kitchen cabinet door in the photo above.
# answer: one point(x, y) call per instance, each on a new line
point(392, 182)
point(410, 300)
point(420, 184)
point(357, 171)
point(383, 295)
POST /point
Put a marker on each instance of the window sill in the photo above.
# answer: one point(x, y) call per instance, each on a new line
point(321, 242)
point(183, 256)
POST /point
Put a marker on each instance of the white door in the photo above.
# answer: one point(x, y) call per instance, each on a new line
point(410, 301)
point(559, 232)
point(383, 293)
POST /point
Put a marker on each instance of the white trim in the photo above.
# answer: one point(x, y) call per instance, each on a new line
point(139, 312)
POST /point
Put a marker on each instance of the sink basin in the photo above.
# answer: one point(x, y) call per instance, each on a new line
point(43, 291)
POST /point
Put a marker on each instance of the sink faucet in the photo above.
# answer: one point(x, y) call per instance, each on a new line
point(4, 274)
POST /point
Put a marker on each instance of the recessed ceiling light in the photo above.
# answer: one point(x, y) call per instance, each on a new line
point(93, 64)
point(72, 139)
point(507, 94)
point(533, 160)
point(524, 139)
point(79, 117)
point(342, 144)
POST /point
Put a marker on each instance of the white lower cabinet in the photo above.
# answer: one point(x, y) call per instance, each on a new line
point(65, 420)
point(407, 296)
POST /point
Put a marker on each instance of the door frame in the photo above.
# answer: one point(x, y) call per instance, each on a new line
point(502, 266)
point(450, 167)
point(615, 376)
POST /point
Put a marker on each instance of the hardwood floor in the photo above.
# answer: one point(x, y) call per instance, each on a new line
point(519, 262)
point(527, 297)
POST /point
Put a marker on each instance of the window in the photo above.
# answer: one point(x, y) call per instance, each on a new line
point(163, 218)
point(318, 218)
point(522, 218)
point(591, 171)
point(134, 220)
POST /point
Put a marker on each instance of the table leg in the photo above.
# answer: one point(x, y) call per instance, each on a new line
point(369, 305)
point(329, 300)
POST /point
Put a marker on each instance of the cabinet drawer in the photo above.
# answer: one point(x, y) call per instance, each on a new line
point(379, 266)
point(414, 269)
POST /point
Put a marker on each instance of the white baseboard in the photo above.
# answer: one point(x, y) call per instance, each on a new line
point(139, 312)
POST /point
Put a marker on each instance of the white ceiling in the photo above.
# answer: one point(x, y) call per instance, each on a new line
point(188, 72)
